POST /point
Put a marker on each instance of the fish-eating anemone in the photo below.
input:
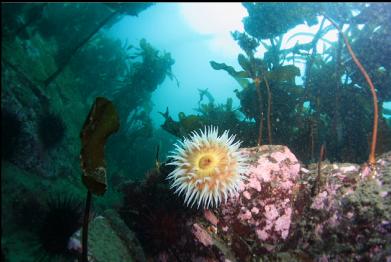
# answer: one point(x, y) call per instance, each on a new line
point(208, 168)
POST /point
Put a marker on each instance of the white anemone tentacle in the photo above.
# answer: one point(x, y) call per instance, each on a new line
point(208, 167)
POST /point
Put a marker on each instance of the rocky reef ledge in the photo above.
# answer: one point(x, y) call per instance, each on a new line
point(282, 212)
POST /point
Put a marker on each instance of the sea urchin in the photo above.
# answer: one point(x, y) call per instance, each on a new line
point(62, 219)
point(208, 167)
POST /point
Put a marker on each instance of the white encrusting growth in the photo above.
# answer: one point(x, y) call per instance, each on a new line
point(208, 169)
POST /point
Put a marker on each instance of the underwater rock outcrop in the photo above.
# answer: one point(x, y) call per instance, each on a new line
point(284, 210)
point(11, 128)
point(278, 212)
point(263, 209)
point(111, 240)
point(51, 130)
point(349, 216)
point(257, 220)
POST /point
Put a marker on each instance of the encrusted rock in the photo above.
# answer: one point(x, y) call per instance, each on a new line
point(110, 240)
point(263, 207)
point(278, 216)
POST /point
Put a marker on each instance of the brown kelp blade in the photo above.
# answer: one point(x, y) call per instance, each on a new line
point(101, 122)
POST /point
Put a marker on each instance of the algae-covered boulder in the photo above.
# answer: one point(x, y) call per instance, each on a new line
point(283, 211)
point(110, 240)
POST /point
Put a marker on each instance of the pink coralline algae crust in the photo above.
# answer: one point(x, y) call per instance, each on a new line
point(328, 200)
point(210, 217)
point(246, 195)
point(202, 235)
point(263, 206)
point(350, 207)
